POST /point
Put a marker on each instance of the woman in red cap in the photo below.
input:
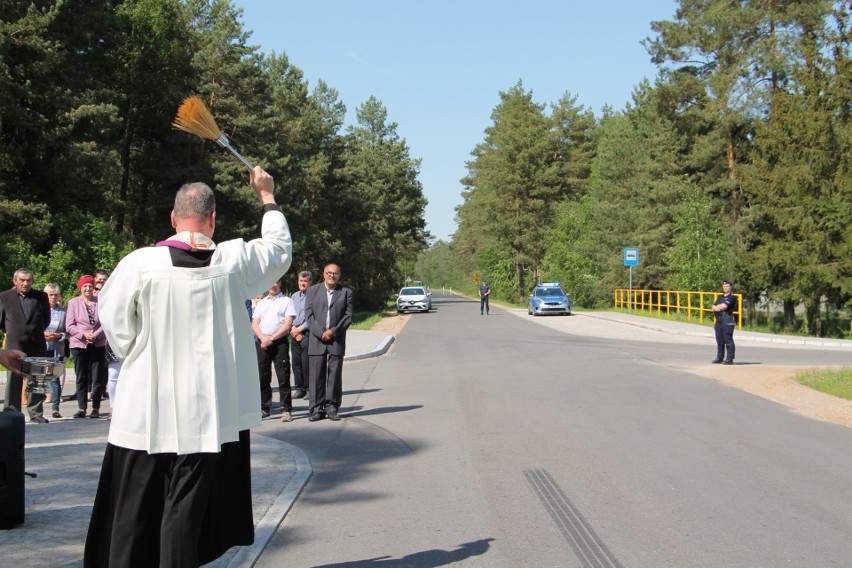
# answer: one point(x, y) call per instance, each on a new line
point(87, 342)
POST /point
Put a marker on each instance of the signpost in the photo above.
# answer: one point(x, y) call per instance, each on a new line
point(631, 259)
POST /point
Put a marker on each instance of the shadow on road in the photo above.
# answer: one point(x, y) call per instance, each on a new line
point(426, 558)
point(358, 412)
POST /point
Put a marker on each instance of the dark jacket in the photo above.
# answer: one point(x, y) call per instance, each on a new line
point(25, 333)
point(340, 318)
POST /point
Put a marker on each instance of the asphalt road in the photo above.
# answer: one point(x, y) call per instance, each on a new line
point(498, 441)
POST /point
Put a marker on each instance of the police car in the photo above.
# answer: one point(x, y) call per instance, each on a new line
point(548, 298)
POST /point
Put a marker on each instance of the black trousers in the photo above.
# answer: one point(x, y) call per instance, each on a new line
point(326, 392)
point(277, 354)
point(14, 387)
point(170, 510)
point(724, 329)
point(90, 367)
point(301, 363)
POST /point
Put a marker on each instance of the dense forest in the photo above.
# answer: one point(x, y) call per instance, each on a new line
point(89, 161)
point(736, 161)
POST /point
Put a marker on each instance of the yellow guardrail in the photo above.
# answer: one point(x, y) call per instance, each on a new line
point(694, 304)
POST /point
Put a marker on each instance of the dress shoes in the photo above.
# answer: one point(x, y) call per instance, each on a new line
point(39, 420)
point(716, 361)
point(316, 416)
point(333, 416)
point(56, 415)
point(728, 362)
point(95, 413)
point(80, 414)
point(299, 394)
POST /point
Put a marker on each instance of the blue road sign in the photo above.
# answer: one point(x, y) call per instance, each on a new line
point(631, 257)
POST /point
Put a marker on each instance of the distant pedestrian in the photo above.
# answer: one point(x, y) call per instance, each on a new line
point(484, 293)
point(725, 307)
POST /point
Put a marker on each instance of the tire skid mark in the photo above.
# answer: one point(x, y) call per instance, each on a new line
point(578, 533)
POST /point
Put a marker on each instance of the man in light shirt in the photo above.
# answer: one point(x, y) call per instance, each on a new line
point(299, 338)
point(271, 322)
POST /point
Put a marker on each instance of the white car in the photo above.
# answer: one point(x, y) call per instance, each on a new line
point(413, 299)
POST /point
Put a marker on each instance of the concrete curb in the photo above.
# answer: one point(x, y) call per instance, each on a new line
point(247, 556)
point(380, 349)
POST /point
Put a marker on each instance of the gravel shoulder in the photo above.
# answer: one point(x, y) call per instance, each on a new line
point(779, 385)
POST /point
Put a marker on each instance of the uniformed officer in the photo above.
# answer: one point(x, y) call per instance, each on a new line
point(725, 308)
point(484, 293)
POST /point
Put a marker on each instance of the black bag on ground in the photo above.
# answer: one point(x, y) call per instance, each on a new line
point(11, 469)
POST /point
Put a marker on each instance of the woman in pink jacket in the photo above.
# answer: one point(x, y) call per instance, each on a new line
point(87, 342)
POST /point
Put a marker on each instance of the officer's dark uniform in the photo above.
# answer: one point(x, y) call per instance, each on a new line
point(725, 322)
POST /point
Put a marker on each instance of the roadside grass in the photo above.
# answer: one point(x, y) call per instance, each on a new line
point(836, 382)
point(366, 320)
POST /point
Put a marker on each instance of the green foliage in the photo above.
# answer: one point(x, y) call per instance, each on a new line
point(695, 254)
point(89, 161)
point(799, 181)
point(387, 200)
point(735, 162)
point(437, 267)
point(526, 165)
point(569, 257)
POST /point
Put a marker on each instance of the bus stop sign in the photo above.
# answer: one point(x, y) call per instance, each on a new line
point(631, 257)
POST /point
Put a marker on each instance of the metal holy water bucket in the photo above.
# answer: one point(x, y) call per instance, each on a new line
point(41, 372)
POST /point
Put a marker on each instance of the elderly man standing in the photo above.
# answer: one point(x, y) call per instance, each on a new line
point(24, 315)
point(328, 311)
point(175, 486)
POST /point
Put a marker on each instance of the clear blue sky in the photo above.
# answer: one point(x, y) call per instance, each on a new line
point(438, 66)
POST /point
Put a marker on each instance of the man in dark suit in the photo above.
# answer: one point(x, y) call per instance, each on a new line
point(24, 315)
point(328, 312)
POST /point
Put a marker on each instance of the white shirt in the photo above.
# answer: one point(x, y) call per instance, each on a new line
point(271, 312)
point(329, 295)
point(189, 364)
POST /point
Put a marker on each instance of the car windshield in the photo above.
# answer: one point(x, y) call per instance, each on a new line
point(412, 292)
point(548, 292)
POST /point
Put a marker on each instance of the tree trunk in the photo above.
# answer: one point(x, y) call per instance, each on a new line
point(121, 217)
point(789, 315)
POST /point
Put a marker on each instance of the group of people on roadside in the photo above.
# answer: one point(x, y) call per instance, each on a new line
point(37, 325)
point(288, 329)
point(175, 484)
